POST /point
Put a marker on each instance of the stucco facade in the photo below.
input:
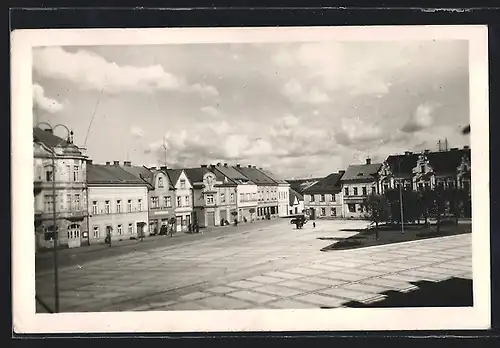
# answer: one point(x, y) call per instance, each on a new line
point(183, 199)
point(324, 199)
point(68, 178)
point(122, 209)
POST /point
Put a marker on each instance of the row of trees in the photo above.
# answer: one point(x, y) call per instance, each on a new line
point(418, 206)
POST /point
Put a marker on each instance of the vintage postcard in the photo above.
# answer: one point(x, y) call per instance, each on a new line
point(250, 179)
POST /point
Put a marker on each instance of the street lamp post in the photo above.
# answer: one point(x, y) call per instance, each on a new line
point(54, 214)
point(401, 197)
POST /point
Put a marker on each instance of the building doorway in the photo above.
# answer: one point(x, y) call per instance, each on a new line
point(74, 240)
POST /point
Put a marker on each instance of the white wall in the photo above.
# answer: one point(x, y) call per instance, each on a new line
point(283, 199)
point(183, 193)
point(247, 189)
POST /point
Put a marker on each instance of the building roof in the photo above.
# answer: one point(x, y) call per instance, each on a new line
point(174, 175)
point(442, 162)
point(256, 176)
point(361, 172)
point(99, 174)
point(146, 174)
point(50, 140)
point(232, 174)
point(300, 185)
point(329, 184)
point(196, 175)
point(292, 194)
point(272, 176)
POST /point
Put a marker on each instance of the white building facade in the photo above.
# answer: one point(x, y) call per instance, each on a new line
point(183, 199)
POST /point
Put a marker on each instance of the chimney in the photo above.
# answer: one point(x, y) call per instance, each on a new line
point(164, 168)
point(89, 161)
point(225, 165)
point(427, 151)
point(212, 166)
point(254, 167)
point(218, 164)
point(249, 166)
point(127, 163)
point(116, 163)
point(204, 166)
point(466, 147)
point(108, 163)
point(49, 130)
point(454, 149)
point(238, 165)
point(368, 161)
point(341, 172)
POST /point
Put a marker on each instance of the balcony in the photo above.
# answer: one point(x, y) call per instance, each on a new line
point(67, 185)
point(76, 215)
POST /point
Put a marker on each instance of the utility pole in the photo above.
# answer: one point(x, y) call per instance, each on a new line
point(401, 197)
point(54, 212)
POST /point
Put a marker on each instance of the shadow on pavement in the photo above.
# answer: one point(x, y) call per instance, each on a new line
point(454, 292)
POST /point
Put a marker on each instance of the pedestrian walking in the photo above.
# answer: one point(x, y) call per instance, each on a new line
point(108, 237)
point(314, 224)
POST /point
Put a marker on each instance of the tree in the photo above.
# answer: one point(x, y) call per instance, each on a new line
point(437, 198)
point(377, 210)
point(411, 211)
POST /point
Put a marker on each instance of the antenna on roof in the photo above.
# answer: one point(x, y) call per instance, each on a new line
point(165, 150)
point(92, 118)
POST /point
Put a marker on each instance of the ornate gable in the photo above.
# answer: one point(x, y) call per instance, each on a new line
point(464, 167)
point(423, 167)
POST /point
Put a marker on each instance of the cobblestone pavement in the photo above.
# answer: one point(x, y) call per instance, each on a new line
point(273, 266)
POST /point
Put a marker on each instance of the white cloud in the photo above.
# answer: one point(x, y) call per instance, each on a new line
point(91, 71)
point(422, 118)
point(295, 92)
point(41, 101)
point(210, 110)
point(137, 131)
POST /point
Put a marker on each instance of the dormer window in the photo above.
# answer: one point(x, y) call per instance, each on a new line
point(183, 184)
point(160, 182)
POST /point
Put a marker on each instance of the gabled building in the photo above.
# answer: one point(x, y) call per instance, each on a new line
point(358, 182)
point(214, 196)
point(296, 203)
point(449, 169)
point(283, 192)
point(183, 199)
point(117, 203)
point(65, 184)
point(267, 191)
point(324, 199)
point(161, 196)
point(246, 192)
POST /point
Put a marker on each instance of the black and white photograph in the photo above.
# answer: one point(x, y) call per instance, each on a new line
point(251, 179)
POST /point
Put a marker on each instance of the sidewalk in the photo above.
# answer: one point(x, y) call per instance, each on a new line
point(85, 248)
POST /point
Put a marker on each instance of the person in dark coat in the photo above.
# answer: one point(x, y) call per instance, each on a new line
point(314, 224)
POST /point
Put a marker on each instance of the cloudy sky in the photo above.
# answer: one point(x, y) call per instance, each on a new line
point(297, 109)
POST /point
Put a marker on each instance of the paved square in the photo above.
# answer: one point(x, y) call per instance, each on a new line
point(267, 264)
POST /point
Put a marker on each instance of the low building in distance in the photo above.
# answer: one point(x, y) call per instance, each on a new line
point(283, 192)
point(118, 202)
point(323, 199)
point(296, 202)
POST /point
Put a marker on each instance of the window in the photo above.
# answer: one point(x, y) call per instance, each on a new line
point(333, 212)
point(312, 198)
point(322, 198)
point(323, 211)
point(77, 202)
point(75, 173)
point(130, 228)
point(188, 202)
point(48, 203)
point(352, 208)
point(346, 191)
point(222, 198)
point(179, 202)
point(248, 196)
point(119, 230)
point(333, 197)
point(183, 184)
point(69, 202)
point(160, 182)
point(232, 197)
point(118, 206)
point(210, 199)
point(107, 209)
point(68, 170)
point(139, 204)
point(422, 169)
point(364, 190)
point(50, 233)
point(167, 200)
point(96, 232)
point(95, 208)
point(154, 202)
point(129, 205)
point(355, 191)
point(48, 173)
point(242, 197)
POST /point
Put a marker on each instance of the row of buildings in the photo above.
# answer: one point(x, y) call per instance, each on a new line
point(131, 201)
point(342, 194)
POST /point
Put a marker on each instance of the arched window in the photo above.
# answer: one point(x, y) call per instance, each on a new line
point(74, 231)
point(160, 182)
